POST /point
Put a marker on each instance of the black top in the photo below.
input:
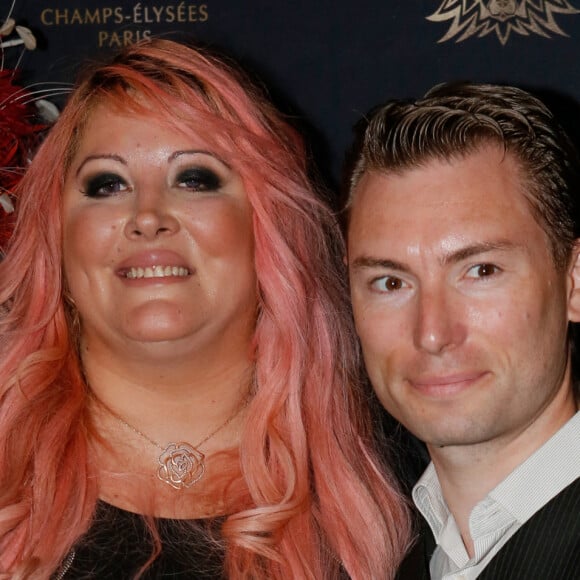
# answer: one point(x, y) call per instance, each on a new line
point(119, 543)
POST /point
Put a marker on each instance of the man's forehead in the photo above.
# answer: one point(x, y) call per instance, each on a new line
point(491, 159)
point(445, 206)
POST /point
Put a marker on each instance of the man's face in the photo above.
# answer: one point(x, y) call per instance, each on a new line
point(461, 312)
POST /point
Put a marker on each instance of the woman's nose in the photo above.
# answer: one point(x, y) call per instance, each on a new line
point(151, 216)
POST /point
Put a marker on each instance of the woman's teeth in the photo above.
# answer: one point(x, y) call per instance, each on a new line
point(156, 272)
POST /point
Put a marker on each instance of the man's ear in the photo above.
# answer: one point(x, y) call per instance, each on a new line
point(574, 284)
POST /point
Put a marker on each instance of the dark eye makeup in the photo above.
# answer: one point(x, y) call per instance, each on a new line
point(199, 179)
point(104, 185)
point(109, 184)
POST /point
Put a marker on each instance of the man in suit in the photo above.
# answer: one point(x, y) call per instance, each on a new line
point(464, 268)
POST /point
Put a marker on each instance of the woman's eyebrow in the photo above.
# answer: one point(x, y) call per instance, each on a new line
point(112, 156)
point(179, 153)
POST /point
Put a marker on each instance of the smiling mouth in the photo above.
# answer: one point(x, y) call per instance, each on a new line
point(447, 385)
point(156, 272)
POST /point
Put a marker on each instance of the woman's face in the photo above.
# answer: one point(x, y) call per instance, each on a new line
point(158, 239)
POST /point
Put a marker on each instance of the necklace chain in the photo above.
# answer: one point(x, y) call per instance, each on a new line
point(158, 445)
point(181, 465)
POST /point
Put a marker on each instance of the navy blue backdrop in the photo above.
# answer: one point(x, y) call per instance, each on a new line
point(327, 62)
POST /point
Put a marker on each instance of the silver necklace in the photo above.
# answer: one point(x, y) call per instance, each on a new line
point(181, 465)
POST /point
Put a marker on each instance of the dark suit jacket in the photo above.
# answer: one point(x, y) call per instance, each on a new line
point(546, 547)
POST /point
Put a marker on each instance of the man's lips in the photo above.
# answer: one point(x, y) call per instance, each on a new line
point(438, 385)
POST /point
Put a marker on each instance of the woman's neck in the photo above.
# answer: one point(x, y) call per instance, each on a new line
point(141, 418)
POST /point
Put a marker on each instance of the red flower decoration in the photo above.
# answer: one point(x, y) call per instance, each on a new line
point(19, 133)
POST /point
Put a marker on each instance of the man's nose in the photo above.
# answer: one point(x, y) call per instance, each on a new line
point(440, 324)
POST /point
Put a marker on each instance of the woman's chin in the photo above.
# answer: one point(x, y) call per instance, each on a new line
point(157, 334)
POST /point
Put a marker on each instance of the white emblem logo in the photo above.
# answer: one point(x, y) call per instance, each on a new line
point(482, 17)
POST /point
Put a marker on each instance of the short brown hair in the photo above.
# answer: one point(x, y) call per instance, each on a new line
point(456, 119)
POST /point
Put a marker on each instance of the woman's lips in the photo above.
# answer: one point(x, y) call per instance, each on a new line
point(154, 266)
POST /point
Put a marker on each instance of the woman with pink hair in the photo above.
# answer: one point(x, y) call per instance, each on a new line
point(179, 390)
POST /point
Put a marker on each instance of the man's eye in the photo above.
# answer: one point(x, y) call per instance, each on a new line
point(199, 179)
point(482, 271)
point(104, 185)
point(388, 284)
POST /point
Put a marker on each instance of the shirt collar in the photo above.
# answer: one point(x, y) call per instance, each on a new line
point(551, 468)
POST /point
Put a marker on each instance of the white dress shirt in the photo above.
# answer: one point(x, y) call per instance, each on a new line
point(496, 518)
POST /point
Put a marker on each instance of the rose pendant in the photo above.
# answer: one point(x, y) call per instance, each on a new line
point(181, 465)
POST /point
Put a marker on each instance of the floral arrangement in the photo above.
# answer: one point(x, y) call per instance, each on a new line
point(24, 116)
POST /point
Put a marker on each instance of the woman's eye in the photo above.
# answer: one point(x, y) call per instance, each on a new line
point(482, 271)
point(388, 284)
point(104, 185)
point(199, 179)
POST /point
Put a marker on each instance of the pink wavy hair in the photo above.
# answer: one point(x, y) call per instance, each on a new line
point(318, 497)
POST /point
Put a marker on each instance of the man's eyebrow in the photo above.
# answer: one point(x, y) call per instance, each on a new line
point(369, 262)
point(475, 250)
point(454, 257)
